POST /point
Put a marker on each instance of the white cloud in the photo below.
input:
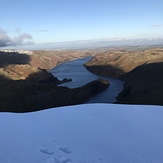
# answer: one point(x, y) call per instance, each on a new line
point(22, 39)
point(5, 40)
point(18, 30)
point(19, 39)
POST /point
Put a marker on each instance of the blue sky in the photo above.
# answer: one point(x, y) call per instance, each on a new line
point(40, 21)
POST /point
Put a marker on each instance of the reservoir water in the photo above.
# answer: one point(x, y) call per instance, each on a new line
point(80, 76)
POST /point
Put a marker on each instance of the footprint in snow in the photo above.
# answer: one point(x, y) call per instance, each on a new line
point(65, 150)
point(46, 151)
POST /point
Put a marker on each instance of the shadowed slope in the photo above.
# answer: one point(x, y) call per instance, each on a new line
point(24, 87)
point(141, 70)
point(144, 85)
point(9, 58)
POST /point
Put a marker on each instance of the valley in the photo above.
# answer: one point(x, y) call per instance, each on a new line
point(140, 69)
point(26, 85)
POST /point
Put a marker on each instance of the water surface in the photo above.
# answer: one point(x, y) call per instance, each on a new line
point(80, 76)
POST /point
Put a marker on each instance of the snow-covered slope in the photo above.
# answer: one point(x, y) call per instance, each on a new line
point(90, 133)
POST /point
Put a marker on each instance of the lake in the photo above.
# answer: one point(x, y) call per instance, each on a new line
point(80, 76)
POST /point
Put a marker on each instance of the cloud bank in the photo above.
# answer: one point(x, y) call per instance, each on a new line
point(157, 25)
point(20, 39)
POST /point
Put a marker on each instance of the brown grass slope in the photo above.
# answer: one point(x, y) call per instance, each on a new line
point(25, 84)
point(142, 71)
point(48, 59)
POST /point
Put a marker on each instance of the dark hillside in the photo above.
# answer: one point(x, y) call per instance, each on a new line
point(144, 85)
point(26, 85)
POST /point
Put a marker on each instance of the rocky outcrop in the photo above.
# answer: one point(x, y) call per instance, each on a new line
point(140, 69)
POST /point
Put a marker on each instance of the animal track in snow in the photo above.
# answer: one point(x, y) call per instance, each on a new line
point(56, 156)
point(65, 150)
point(46, 151)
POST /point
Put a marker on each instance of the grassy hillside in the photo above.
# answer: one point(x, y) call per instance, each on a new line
point(142, 71)
point(25, 84)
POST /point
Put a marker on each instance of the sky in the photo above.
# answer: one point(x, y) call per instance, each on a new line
point(35, 21)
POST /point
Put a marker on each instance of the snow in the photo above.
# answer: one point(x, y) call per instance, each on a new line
point(89, 133)
point(17, 51)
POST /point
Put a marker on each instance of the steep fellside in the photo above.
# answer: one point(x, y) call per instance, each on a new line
point(19, 64)
point(44, 59)
point(26, 85)
point(50, 59)
point(142, 71)
point(144, 85)
point(25, 96)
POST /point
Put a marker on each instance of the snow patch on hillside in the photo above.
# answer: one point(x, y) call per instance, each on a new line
point(17, 51)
